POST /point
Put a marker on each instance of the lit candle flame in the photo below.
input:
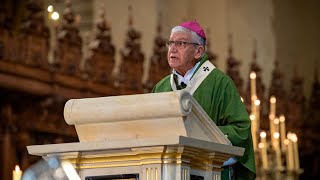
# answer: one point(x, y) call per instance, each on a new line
point(55, 16)
point(253, 75)
point(17, 168)
point(257, 102)
point(263, 134)
point(273, 99)
point(294, 137)
point(282, 118)
point(252, 117)
point(276, 120)
point(271, 116)
point(50, 8)
point(286, 141)
point(261, 145)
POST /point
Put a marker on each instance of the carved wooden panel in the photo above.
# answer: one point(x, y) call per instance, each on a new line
point(131, 74)
point(100, 67)
point(36, 51)
point(68, 58)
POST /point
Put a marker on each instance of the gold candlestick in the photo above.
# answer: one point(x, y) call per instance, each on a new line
point(254, 131)
point(257, 114)
point(275, 125)
point(253, 77)
point(294, 139)
point(282, 132)
point(273, 101)
point(276, 136)
point(272, 115)
point(263, 147)
point(290, 158)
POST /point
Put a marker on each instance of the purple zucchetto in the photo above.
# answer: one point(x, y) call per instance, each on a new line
point(195, 27)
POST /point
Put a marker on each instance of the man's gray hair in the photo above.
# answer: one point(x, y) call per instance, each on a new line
point(194, 35)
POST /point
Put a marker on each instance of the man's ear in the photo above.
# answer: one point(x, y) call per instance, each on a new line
point(199, 52)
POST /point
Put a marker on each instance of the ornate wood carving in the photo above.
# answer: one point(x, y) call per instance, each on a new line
point(132, 59)
point(68, 52)
point(3, 31)
point(296, 105)
point(259, 87)
point(233, 68)
point(277, 89)
point(310, 139)
point(211, 55)
point(159, 67)
point(7, 42)
point(313, 118)
point(34, 37)
point(100, 62)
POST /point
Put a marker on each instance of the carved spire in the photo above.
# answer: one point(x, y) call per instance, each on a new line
point(100, 62)
point(159, 67)
point(260, 88)
point(257, 69)
point(277, 88)
point(68, 30)
point(233, 67)
point(211, 56)
point(296, 104)
point(68, 54)
point(5, 20)
point(132, 58)
point(132, 45)
point(102, 40)
point(315, 93)
point(254, 65)
point(35, 37)
point(130, 22)
point(68, 14)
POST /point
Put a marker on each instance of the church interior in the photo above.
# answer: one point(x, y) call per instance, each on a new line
point(55, 50)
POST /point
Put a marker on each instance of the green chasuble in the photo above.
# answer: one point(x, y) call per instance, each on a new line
point(218, 96)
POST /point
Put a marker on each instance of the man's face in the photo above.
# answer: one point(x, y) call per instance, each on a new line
point(182, 57)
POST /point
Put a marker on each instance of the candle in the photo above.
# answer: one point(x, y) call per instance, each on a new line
point(253, 109)
point(253, 76)
point(276, 125)
point(17, 173)
point(257, 113)
point(275, 142)
point(276, 136)
point(263, 151)
point(294, 139)
point(253, 131)
point(290, 160)
point(273, 101)
point(272, 115)
point(282, 132)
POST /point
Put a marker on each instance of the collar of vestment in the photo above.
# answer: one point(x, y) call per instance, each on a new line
point(201, 72)
point(186, 78)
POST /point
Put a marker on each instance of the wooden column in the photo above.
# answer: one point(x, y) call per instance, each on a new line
point(8, 155)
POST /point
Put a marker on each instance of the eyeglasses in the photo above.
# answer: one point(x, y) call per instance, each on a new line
point(180, 44)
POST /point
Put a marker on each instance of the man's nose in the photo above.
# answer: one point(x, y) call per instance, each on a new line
point(173, 48)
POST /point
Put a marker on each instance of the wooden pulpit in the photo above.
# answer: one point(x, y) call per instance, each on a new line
point(158, 136)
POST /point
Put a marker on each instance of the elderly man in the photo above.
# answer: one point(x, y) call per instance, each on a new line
point(214, 91)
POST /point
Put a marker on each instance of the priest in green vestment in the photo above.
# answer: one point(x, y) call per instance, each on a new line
point(213, 90)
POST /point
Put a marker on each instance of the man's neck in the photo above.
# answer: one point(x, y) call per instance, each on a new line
point(187, 76)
